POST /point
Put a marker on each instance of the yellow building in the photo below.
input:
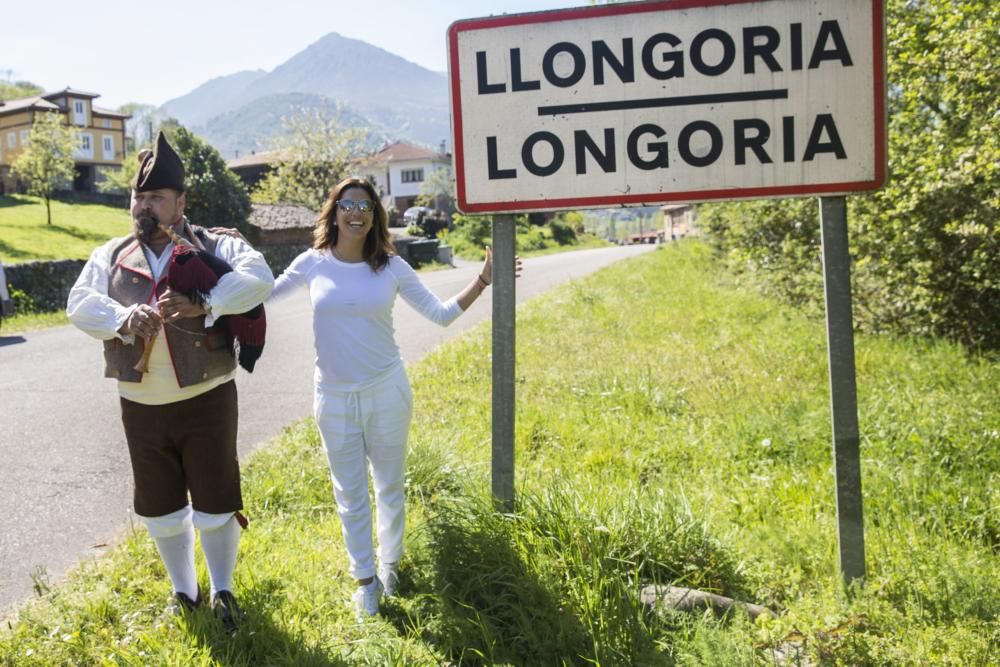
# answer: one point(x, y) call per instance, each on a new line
point(101, 133)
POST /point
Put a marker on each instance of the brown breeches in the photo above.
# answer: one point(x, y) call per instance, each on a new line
point(188, 446)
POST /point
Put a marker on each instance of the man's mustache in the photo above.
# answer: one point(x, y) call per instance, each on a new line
point(145, 227)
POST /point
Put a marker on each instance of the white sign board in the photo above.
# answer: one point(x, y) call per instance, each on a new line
point(652, 102)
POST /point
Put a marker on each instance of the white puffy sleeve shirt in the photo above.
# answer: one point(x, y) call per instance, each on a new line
point(91, 309)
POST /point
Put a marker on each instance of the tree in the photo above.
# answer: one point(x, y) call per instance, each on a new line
point(438, 191)
point(931, 235)
point(18, 89)
point(141, 127)
point(214, 195)
point(46, 163)
point(926, 245)
point(317, 150)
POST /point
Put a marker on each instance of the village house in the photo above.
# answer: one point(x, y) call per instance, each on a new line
point(101, 133)
point(678, 220)
point(400, 169)
point(254, 167)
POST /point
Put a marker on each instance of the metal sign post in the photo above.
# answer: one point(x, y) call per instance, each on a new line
point(652, 102)
point(843, 389)
point(503, 361)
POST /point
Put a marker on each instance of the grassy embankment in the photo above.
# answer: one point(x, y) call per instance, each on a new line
point(75, 231)
point(670, 428)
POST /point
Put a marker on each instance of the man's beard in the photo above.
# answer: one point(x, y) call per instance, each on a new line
point(144, 227)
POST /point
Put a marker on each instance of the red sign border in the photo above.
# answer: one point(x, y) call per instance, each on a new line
point(878, 64)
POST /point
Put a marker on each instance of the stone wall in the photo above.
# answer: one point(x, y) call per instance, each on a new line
point(110, 199)
point(280, 225)
point(46, 283)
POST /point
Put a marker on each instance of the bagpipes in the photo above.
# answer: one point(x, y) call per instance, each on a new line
point(193, 271)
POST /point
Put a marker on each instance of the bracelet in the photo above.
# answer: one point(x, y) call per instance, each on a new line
point(482, 281)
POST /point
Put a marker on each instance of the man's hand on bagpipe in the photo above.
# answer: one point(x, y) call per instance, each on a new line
point(193, 271)
point(144, 322)
point(174, 306)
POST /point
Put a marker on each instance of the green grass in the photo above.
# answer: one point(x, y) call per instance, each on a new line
point(671, 427)
point(21, 323)
point(76, 229)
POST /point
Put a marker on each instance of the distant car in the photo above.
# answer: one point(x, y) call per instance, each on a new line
point(6, 305)
point(415, 215)
point(429, 220)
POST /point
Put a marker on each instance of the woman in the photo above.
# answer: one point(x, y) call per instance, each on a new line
point(362, 396)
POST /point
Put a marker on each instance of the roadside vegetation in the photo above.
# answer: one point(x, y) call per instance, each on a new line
point(672, 427)
point(533, 237)
point(23, 322)
point(924, 247)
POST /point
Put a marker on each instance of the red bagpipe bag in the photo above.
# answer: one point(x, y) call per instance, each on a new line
point(193, 272)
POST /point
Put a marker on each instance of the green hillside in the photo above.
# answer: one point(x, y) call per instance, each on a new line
point(76, 229)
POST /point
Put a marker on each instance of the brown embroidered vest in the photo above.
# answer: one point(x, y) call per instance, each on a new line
point(198, 354)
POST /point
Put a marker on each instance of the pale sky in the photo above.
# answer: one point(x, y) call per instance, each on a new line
point(151, 52)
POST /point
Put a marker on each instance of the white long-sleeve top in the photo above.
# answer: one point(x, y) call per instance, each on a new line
point(352, 314)
point(95, 313)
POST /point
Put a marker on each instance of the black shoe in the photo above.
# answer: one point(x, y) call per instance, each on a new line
point(181, 603)
point(225, 608)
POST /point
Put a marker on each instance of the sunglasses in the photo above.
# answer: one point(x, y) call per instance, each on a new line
point(363, 205)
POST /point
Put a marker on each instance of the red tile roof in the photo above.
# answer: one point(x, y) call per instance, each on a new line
point(262, 158)
point(402, 151)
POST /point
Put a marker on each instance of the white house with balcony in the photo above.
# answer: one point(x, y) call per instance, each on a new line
point(400, 169)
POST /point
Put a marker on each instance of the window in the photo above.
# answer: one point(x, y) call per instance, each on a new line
point(24, 137)
point(412, 175)
point(106, 123)
point(12, 140)
point(109, 147)
point(86, 149)
point(79, 112)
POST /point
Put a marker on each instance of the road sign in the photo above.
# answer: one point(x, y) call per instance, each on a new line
point(652, 102)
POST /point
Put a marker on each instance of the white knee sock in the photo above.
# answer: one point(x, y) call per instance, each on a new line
point(174, 537)
point(177, 552)
point(220, 545)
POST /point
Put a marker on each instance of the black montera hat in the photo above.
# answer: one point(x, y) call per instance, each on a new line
point(159, 168)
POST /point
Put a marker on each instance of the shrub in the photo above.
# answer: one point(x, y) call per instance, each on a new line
point(925, 246)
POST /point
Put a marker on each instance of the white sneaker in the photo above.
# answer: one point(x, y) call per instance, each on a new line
point(366, 599)
point(389, 576)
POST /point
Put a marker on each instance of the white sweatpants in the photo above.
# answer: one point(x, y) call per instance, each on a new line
point(362, 428)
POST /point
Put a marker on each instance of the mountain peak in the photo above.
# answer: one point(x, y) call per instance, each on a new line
point(389, 90)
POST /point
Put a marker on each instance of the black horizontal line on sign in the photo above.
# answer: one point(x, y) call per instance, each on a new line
point(652, 102)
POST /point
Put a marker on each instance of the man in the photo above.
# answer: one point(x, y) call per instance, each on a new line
point(180, 412)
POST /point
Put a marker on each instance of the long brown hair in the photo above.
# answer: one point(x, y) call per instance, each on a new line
point(378, 246)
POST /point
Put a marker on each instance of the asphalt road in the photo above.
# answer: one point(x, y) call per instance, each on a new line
point(65, 482)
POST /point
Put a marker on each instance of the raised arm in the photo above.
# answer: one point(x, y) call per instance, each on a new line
point(483, 280)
